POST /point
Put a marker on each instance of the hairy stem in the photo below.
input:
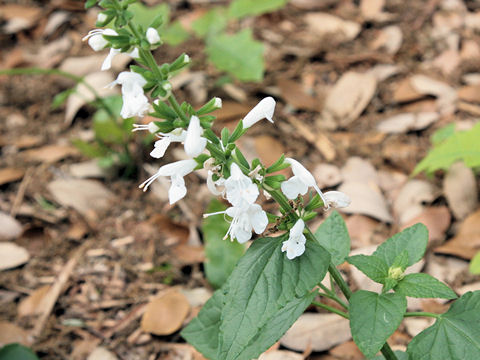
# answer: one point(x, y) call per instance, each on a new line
point(331, 309)
point(421, 313)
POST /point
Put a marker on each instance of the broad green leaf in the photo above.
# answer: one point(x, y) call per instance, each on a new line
point(222, 255)
point(462, 145)
point(475, 264)
point(211, 22)
point(202, 331)
point(372, 266)
point(175, 34)
point(144, 15)
point(241, 8)
point(401, 261)
point(263, 283)
point(238, 54)
point(17, 352)
point(442, 134)
point(424, 286)
point(333, 236)
point(373, 318)
point(455, 335)
point(413, 239)
point(399, 354)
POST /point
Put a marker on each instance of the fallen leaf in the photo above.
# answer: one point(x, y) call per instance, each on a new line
point(411, 199)
point(470, 93)
point(12, 255)
point(471, 79)
point(348, 350)
point(382, 72)
point(82, 195)
point(231, 111)
point(445, 94)
point(447, 61)
point(327, 175)
point(371, 9)
point(11, 333)
point(281, 355)
point(415, 326)
point(470, 50)
point(188, 254)
point(49, 153)
point(100, 353)
point(323, 25)
point(165, 315)
point(460, 189)
point(469, 287)
point(197, 296)
point(317, 332)
point(19, 17)
point(268, 149)
point(445, 269)
point(361, 230)
point(359, 170)
point(10, 228)
point(404, 92)
point(467, 241)
point(389, 39)
point(33, 304)
point(27, 141)
point(436, 219)
point(55, 20)
point(366, 199)
point(294, 94)
point(348, 98)
point(87, 169)
point(83, 65)
point(401, 123)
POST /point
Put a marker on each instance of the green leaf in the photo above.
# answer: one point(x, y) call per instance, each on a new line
point(475, 264)
point(175, 34)
point(241, 8)
point(462, 145)
point(239, 55)
point(333, 236)
point(413, 239)
point(455, 335)
point(373, 318)
point(145, 15)
point(90, 150)
point(424, 286)
point(17, 352)
point(399, 354)
point(222, 255)
point(212, 22)
point(442, 134)
point(265, 283)
point(372, 266)
point(106, 128)
point(202, 331)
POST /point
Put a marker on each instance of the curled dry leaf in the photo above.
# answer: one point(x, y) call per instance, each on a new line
point(268, 149)
point(389, 39)
point(12, 255)
point(19, 17)
point(295, 95)
point(359, 170)
point(49, 153)
point(327, 175)
point(460, 188)
point(361, 230)
point(317, 332)
point(11, 333)
point(33, 304)
point(323, 24)
point(9, 227)
point(165, 315)
point(100, 353)
point(411, 199)
point(348, 98)
point(402, 123)
point(470, 93)
point(446, 269)
point(83, 65)
point(348, 350)
point(8, 175)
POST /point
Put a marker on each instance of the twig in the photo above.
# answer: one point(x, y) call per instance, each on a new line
point(21, 192)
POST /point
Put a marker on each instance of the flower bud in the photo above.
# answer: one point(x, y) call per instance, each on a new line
point(152, 36)
point(337, 199)
point(263, 110)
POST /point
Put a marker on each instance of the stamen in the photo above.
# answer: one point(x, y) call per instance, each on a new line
point(148, 182)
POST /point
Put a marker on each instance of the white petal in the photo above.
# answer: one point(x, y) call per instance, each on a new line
point(194, 142)
point(160, 147)
point(300, 171)
point(263, 110)
point(152, 36)
point(337, 199)
point(180, 168)
point(211, 185)
point(177, 190)
point(107, 63)
point(240, 234)
point(293, 187)
point(297, 230)
point(258, 218)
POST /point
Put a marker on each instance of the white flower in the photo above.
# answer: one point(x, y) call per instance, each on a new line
point(300, 182)
point(244, 220)
point(194, 142)
point(135, 103)
point(212, 185)
point(107, 63)
point(217, 103)
point(150, 127)
point(239, 188)
point(337, 199)
point(96, 40)
point(152, 36)
point(263, 110)
point(101, 17)
point(176, 171)
point(295, 245)
point(160, 146)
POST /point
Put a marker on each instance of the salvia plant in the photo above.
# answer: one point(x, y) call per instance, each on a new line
point(277, 278)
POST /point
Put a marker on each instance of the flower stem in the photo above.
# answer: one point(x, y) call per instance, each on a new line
point(421, 313)
point(388, 353)
point(331, 295)
point(331, 309)
point(176, 107)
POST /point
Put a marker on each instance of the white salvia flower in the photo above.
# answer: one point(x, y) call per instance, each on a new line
point(212, 185)
point(337, 199)
point(96, 40)
point(295, 245)
point(176, 171)
point(135, 103)
point(194, 142)
point(244, 219)
point(239, 188)
point(152, 36)
point(263, 110)
point(186, 59)
point(150, 127)
point(101, 17)
point(218, 103)
point(300, 182)
point(160, 146)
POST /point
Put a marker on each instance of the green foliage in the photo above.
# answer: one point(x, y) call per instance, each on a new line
point(238, 54)
point(242, 8)
point(374, 317)
point(175, 34)
point(333, 236)
point(145, 15)
point(372, 266)
point(442, 134)
point(17, 352)
point(222, 255)
point(454, 335)
point(399, 354)
point(212, 22)
point(264, 295)
point(424, 286)
point(475, 264)
point(462, 145)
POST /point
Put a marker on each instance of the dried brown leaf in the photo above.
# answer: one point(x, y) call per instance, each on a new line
point(12, 255)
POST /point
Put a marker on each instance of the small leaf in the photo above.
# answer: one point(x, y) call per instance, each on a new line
point(222, 255)
point(175, 34)
point(399, 354)
point(372, 266)
point(401, 261)
point(211, 22)
point(373, 318)
point(17, 352)
point(333, 236)
point(145, 15)
point(455, 334)
point(424, 286)
point(239, 55)
point(241, 8)
point(475, 264)
point(413, 239)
